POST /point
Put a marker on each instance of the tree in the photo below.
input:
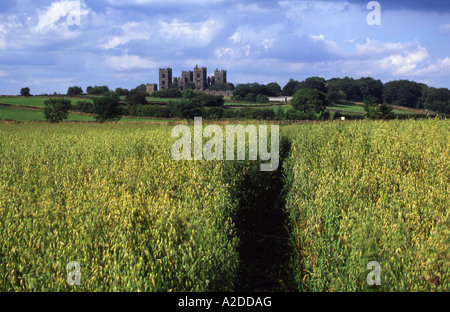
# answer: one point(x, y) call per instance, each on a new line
point(135, 98)
point(74, 91)
point(167, 94)
point(370, 87)
point(290, 88)
point(309, 101)
point(57, 110)
point(186, 108)
point(241, 91)
point(273, 89)
point(375, 111)
point(97, 90)
point(371, 107)
point(142, 88)
point(438, 100)
point(190, 86)
point(107, 108)
point(385, 111)
point(250, 97)
point(223, 86)
point(121, 92)
point(84, 106)
point(403, 93)
point(260, 98)
point(25, 91)
point(348, 86)
point(317, 83)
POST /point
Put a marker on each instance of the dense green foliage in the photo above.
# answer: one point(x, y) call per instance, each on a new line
point(84, 106)
point(72, 91)
point(121, 92)
point(403, 93)
point(112, 198)
point(135, 98)
point(25, 91)
point(215, 87)
point(309, 101)
point(375, 111)
point(107, 108)
point(167, 94)
point(255, 92)
point(97, 90)
point(57, 110)
point(370, 191)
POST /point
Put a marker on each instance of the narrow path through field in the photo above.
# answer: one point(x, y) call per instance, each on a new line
point(263, 228)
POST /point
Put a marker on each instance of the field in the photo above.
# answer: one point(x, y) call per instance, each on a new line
point(110, 197)
point(371, 191)
point(21, 108)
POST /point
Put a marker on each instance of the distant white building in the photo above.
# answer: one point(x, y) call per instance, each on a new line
point(280, 99)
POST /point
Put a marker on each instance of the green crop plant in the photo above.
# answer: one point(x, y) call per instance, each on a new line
point(111, 198)
point(370, 191)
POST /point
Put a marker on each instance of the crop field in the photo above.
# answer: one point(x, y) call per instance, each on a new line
point(112, 198)
point(371, 191)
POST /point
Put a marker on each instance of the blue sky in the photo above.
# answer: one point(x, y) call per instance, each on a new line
point(123, 43)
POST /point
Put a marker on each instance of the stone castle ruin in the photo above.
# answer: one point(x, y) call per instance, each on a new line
point(197, 79)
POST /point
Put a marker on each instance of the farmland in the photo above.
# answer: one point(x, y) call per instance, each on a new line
point(111, 197)
point(20, 108)
point(371, 191)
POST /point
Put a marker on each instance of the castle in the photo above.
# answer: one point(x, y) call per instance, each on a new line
point(197, 79)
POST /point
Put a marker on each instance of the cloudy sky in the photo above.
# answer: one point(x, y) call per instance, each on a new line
point(52, 45)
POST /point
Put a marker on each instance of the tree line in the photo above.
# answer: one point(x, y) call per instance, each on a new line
point(310, 97)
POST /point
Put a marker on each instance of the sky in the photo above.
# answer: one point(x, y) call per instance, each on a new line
point(50, 46)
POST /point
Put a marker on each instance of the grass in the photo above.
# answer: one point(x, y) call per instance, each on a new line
point(370, 191)
point(249, 104)
point(359, 109)
point(35, 115)
point(17, 114)
point(162, 100)
point(111, 197)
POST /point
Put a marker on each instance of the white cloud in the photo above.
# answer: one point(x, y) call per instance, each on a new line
point(375, 48)
point(189, 33)
point(127, 62)
point(405, 64)
point(234, 52)
point(250, 8)
point(445, 28)
point(49, 18)
point(330, 45)
point(159, 2)
point(264, 37)
point(131, 31)
point(437, 68)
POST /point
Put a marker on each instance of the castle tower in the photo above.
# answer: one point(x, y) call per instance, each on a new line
point(151, 88)
point(186, 77)
point(220, 76)
point(200, 78)
point(165, 78)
